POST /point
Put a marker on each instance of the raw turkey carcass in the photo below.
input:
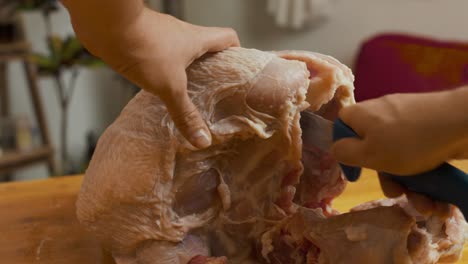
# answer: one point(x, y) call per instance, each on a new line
point(257, 195)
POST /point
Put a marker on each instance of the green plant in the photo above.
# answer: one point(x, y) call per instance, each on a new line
point(64, 53)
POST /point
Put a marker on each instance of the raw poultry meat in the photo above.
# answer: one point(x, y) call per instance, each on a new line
point(383, 231)
point(257, 195)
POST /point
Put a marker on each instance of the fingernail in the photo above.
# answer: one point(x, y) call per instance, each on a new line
point(201, 139)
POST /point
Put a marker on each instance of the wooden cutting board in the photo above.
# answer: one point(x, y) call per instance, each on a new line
point(38, 223)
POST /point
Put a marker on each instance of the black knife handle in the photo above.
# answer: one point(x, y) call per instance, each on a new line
point(446, 183)
point(342, 130)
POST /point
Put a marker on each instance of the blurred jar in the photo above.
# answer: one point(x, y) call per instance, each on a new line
point(7, 134)
point(24, 139)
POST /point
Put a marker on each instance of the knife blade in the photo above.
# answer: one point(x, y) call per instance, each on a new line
point(445, 183)
point(318, 131)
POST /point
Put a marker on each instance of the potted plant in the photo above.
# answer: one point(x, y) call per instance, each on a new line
point(65, 54)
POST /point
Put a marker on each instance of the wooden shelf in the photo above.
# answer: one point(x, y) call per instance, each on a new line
point(12, 160)
point(19, 49)
point(15, 50)
point(14, 47)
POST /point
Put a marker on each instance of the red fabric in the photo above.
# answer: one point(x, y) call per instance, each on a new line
point(397, 63)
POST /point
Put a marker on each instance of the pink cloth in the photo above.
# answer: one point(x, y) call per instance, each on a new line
point(397, 63)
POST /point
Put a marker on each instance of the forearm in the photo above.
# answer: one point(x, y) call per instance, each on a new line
point(103, 14)
point(99, 24)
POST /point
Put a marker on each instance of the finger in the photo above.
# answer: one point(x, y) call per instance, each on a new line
point(218, 39)
point(186, 116)
point(350, 151)
point(423, 204)
point(353, 117)
point(390, 188)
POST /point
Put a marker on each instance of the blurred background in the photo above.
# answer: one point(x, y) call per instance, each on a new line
point(56, 98)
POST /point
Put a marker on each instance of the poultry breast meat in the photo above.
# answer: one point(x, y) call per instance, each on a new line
point(258, 194)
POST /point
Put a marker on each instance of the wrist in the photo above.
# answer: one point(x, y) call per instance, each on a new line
point(459, 98)
point(457, 109)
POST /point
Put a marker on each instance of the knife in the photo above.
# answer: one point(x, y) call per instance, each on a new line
point(445, 183)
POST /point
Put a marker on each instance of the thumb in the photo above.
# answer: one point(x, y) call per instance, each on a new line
point(218, 39)
point(186, 116)
point(350, 151)
point(390, 188)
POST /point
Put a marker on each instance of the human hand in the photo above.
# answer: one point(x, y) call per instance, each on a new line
point(153, 50)
point(403, 134)
point(425, 205)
